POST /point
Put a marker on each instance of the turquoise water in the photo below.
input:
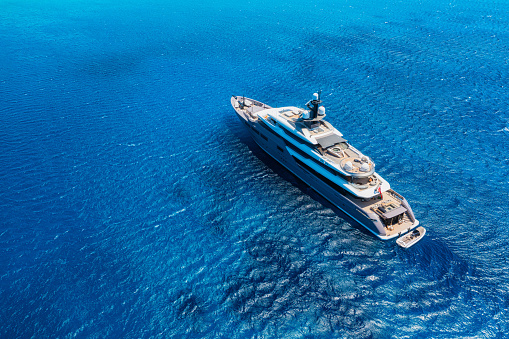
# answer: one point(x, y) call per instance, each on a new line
point(134, 204)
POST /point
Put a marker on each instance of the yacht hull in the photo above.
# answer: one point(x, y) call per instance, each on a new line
point(276, 146)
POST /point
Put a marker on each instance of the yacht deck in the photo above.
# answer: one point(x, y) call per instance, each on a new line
point(389, 198)
point(294, 118)
point(249, 107)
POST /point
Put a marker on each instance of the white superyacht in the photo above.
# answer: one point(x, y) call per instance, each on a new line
point(316, 152)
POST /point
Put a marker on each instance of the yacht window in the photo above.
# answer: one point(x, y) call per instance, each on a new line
point(340, 145)
point(361, 181)
point(326, 180)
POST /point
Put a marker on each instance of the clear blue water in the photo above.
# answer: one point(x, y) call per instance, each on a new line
point(134, 204)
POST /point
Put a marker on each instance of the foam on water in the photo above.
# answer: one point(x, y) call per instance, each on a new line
point(134, 203)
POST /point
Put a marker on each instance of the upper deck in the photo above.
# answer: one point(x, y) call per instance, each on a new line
point(322, 145)
point(321, 136)
point(316, 132)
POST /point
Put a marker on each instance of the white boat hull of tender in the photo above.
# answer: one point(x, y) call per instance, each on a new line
point(411, 238)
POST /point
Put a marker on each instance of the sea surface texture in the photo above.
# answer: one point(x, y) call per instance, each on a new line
point(134, 204)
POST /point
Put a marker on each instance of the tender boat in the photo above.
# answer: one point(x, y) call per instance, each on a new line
point(411, 238)
point(306, 144)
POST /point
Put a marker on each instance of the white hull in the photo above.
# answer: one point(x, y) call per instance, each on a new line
point(286, 152)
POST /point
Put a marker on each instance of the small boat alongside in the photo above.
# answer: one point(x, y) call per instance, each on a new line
point(411, 238)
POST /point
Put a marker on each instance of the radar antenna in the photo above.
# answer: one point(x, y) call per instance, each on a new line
point(313, 108)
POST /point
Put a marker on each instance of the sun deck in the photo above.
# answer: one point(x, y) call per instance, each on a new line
point(327, 140)
point(293, 117)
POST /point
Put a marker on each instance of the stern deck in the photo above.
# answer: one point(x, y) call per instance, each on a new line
point(391, 202)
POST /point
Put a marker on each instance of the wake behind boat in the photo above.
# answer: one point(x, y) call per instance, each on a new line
point(316, 152)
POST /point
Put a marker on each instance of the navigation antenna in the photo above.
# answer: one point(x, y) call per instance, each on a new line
point(315, 104)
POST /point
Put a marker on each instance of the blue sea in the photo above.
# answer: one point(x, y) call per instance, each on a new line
point(134, 204)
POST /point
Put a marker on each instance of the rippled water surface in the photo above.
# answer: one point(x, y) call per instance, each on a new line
point(134, 204)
